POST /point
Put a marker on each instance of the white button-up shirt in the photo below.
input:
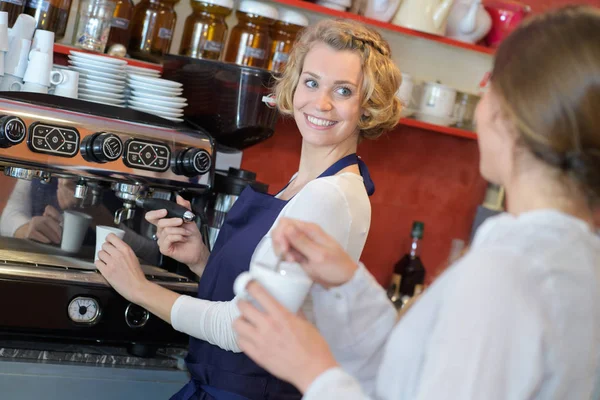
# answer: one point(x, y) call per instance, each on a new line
point(518, 317)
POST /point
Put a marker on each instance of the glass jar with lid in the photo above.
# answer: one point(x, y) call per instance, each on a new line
point(120, 28)
point(50, 15)
point(205, 30)
point(250, 42)
point(93, 24)
point(152, 28)
point(283, 36)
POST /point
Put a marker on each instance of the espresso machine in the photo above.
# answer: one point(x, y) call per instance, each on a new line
point(102, 152)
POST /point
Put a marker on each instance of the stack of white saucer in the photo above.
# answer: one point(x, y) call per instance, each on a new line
point(132, 69)
point(157, 96)
point(101, 78)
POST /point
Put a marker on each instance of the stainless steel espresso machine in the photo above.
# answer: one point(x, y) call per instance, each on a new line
point(109, 163)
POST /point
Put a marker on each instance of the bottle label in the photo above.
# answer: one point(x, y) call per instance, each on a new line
point(37, 4)
point(15, 2)
point(165, 33)
point(280, 57)
point(120, 23)
point(255, 53)
point(211, 45)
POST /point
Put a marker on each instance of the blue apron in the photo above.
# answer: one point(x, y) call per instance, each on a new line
point(218, 374)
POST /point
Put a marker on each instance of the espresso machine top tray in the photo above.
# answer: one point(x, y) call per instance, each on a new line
point(91, 108)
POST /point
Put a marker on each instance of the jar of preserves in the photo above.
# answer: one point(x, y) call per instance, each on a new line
point(283, 35)
point(152, 28)
point(118, 38)
point(205, 30)
point(50, 15)
point(250, 41)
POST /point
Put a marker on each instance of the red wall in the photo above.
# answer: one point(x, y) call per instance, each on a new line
point(420, 175)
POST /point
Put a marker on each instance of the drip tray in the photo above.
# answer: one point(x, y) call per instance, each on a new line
point(30, 253)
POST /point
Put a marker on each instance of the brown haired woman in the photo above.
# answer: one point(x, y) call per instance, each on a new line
point(518, 317)
point(340, 86)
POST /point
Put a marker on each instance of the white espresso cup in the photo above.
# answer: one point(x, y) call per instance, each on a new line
point(102, 232)
point(39, 70)
point(75, 225)
point(290, 285)
point(69, 86)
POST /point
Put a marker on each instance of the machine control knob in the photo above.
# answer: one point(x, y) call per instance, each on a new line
point(136, 316)
point(192, 162)
point(101, 147)
point(12, 131)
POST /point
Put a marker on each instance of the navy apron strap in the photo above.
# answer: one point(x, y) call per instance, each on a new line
point(352, 159)
point(364, 172)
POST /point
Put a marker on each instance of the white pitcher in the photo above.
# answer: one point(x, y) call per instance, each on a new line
point(428, 16)
point(468, 21)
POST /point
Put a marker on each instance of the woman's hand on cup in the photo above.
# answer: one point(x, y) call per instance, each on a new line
point(286, 345)
point(177, 239)
point(321, 256)
point(120, 267)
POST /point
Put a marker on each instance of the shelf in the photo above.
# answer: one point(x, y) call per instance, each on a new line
point(65, 50)
point(440, 129)
point(384, 25)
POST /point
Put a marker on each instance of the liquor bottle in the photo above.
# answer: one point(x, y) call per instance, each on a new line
point(409, 272)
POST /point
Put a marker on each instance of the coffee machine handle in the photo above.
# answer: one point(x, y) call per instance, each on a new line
point(174, 210)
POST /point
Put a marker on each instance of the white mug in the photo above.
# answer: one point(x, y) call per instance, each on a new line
point(75, 225)
point(16, 60)
point(405, 92)
point(290, 285)
point(101, 233)
point(10, 83)
point(40, 70)
point(69, 85)
point(43, 41)
point(4, 31)
point(437, 100)
point(31, 87)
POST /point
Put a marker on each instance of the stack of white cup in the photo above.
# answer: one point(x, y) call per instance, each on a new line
point(28, 62)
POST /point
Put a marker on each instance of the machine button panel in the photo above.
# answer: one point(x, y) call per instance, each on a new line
point(54, 140)
point(146, 155)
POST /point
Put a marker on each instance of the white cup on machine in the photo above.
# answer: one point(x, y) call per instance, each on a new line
point(43, 41)
point(39, 74)
point(16, 61)
point(69, 86)
point(102, 232)
point(290, 285)
point(75, 225)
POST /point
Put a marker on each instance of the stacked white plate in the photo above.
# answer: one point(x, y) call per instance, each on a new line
point(157, 96)
point(131, 69)
point(101, 79)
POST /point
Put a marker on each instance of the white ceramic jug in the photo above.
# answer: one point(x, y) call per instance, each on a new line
point(468, 21)
point(428, 16)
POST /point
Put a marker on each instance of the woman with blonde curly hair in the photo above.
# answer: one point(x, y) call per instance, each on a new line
point(340, 87)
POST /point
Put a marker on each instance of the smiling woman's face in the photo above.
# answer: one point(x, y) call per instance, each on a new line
point(327, 100)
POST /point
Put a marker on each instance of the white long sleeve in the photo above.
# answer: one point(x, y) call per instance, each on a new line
point(17, 211)
point(518, 317)
point(339, 204)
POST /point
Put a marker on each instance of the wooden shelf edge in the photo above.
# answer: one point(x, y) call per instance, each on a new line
point(385, 25)
point(65, 49)
point(440, 129)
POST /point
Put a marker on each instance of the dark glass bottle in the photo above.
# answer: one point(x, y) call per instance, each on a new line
point(120, 28)
point(152, 28)
point(409, 272)
point(13, 8)
point(50, 15)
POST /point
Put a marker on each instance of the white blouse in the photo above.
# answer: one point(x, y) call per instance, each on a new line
point(518, 317)
point(339, 204)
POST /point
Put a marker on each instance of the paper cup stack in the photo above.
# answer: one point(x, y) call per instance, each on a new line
point(101, 79)
point(157, 96)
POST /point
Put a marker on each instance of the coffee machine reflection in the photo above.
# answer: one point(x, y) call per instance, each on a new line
point(227, 188)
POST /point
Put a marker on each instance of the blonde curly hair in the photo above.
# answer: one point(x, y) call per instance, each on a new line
point(381, 77)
